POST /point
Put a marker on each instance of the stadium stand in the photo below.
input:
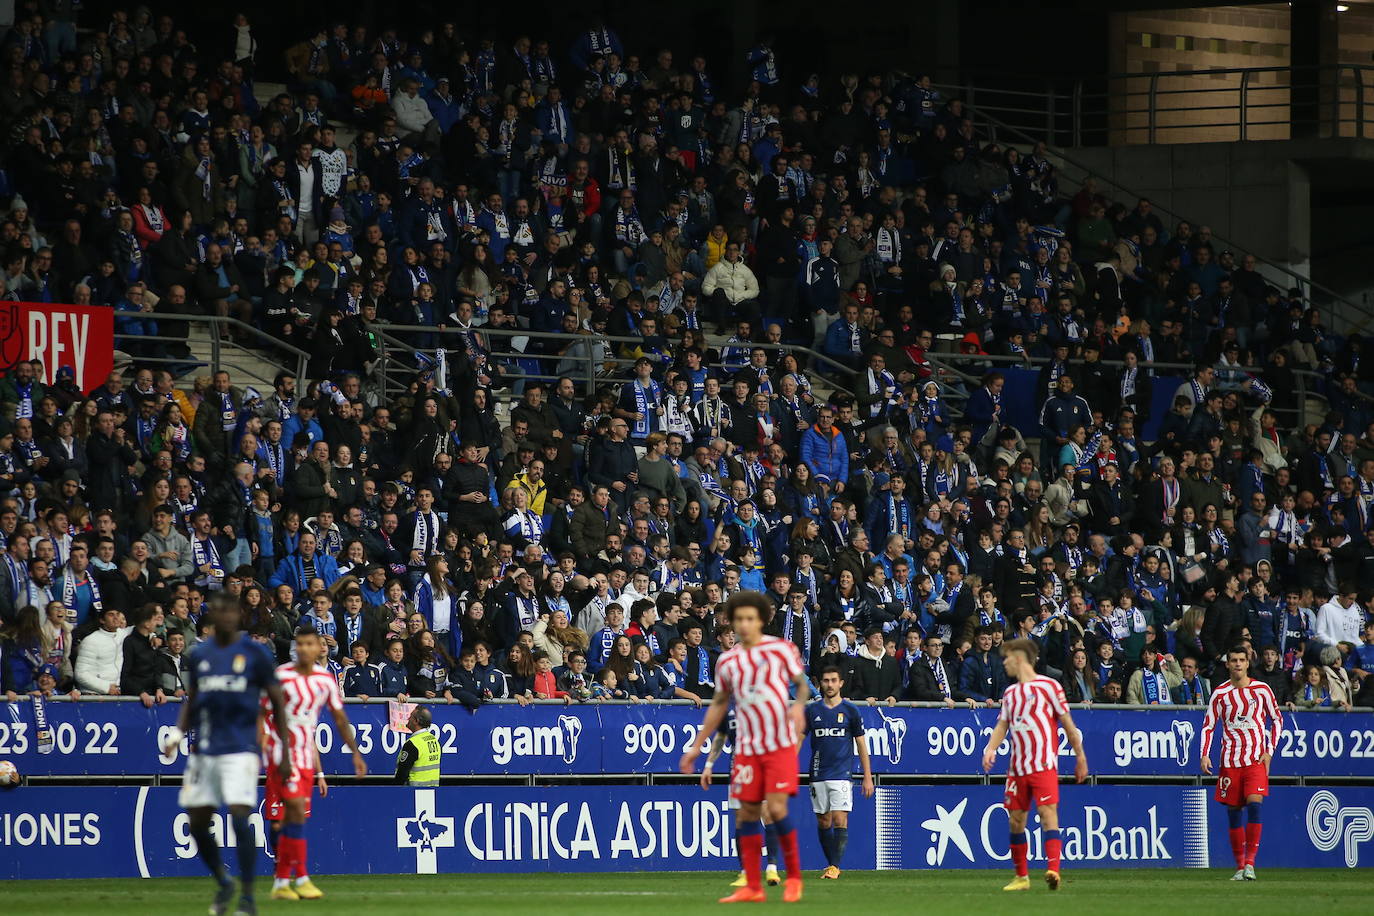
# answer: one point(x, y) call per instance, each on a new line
point(494, 362)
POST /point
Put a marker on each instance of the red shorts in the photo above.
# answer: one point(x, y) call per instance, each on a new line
point(1032, 790)
point(755, 776)
point(1235, 784)
point(300, 785)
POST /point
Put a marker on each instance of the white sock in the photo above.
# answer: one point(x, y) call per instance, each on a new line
point(279, 883)
point(301, 879)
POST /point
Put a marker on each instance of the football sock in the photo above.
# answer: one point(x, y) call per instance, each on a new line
point(1253, 829)
point(827, 836)
point(208, 849)
point(1053, 848)
point(750, 840)
point(770, 839)
point(290, 850)
point(299, 869)
point(840, 841)
point(1236, 818)
point(248, 853)
point(282, 871)
point(791, 852)
point(1018, 854)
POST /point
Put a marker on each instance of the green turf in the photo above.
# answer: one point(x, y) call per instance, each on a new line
point(867, 893)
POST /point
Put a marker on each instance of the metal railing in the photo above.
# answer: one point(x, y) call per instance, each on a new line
point(396, 367)
point(900, 704)
point(1074, 172)
point(1181, 106)
point(225, 342)
point(951, 364)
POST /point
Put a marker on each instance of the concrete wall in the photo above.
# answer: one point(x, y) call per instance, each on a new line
point(1256, 196)
point(1160, 43)
point(1249, 193)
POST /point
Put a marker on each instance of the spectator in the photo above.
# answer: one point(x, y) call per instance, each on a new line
point(100, 655)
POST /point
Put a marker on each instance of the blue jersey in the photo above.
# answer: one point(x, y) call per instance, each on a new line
point(727, 728)
point(832, 731)
point(229, 681)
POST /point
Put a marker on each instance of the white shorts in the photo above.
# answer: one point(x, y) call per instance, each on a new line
point(832, 795)
point(220, 780)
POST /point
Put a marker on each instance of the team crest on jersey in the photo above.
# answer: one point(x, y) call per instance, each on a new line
point(841, 718)
point(240, 662)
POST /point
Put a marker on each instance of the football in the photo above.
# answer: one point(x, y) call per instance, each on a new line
point(9, 775)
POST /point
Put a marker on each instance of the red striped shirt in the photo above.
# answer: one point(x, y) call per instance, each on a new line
point(759, 680)
point(1031, 711)
point(1242, 712)
point(305, 696)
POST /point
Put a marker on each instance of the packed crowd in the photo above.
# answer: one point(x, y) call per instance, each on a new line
point(584, 548)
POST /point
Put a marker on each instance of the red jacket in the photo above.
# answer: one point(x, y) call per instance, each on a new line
point(590, 193)
point(547, 684)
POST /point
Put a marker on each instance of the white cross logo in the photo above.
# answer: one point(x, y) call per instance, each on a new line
point(424, 833)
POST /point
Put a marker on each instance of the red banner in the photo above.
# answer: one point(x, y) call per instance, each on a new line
point(79, 336)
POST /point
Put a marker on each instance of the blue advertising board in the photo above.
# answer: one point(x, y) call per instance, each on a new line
point(60, 832)
point(111, 739)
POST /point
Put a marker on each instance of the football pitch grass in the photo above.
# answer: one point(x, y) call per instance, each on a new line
point(867, 893)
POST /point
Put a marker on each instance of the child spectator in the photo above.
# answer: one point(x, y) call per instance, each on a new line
point(391, 673)
point(361, 679)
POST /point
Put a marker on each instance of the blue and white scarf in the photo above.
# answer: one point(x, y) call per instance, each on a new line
point(69, 586)
point(789, 622)
point(205, 552)
point(898, 516)
point(1156, 688)
point(646, 400)
point(704, 667)
point(941, 676)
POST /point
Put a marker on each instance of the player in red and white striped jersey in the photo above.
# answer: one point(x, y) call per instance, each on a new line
point(307, 689)
point(757, 674)
point(1251, 725)
point(1033, 708)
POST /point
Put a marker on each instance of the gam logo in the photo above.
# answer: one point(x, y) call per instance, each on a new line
point(1176, 743)
point(887, 741)
point(511, 741)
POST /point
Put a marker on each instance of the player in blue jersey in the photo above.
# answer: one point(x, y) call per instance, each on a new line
point(225, 680)
point(726, 732)
point(836, 728)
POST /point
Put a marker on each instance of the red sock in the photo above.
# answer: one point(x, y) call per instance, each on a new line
point(300, 871)
point(1238, 845)
point(1018, 854)
point(751, 854)
point(1252, 838)
point(284, 860)
point(791, 854)
point(1053, 848)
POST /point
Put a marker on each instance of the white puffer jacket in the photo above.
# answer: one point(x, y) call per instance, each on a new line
point(736, 280)
point(99, 659)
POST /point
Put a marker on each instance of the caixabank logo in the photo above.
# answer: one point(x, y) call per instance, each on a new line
point(968, 828)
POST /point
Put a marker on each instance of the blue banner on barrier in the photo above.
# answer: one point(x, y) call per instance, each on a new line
point(107, 739)
point(140, 832)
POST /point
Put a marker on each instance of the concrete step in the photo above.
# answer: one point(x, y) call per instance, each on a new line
point(245, 365)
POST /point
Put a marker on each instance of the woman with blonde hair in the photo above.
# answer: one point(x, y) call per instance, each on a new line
point(56, 638)
point(556, 636)
point(521, 525)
